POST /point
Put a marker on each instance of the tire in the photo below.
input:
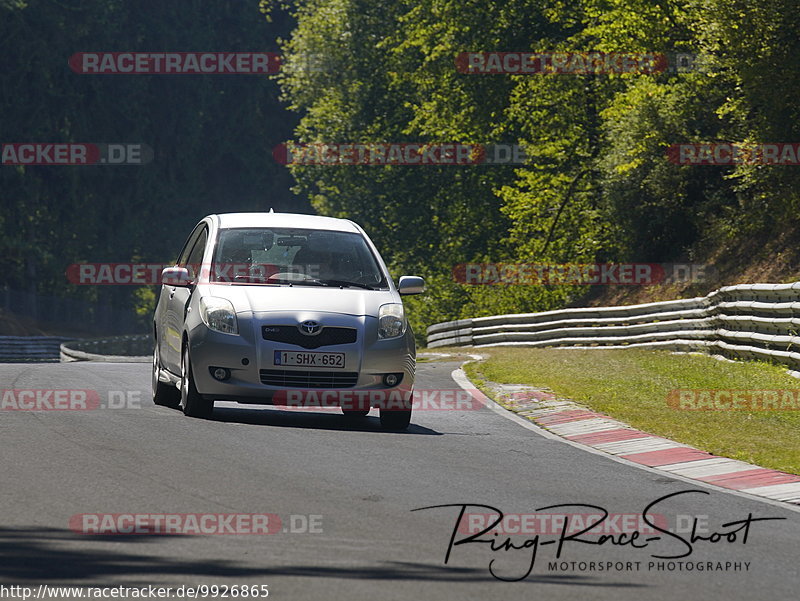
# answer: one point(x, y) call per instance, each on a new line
point(192, 403)
point(396, 420)
point(163, 394)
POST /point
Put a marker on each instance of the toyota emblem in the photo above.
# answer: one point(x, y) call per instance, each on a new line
point(310, 327)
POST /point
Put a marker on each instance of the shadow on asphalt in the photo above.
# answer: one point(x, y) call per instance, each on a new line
point(33, 555)
point(316, 420)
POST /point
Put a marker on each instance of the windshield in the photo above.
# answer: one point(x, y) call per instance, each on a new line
point(292, 256)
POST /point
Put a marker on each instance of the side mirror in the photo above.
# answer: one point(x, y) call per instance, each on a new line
point(175, 276)
point(411, 284)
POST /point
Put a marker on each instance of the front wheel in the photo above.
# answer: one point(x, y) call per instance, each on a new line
point(163, 393)
point(395, 419)
point(192, 403)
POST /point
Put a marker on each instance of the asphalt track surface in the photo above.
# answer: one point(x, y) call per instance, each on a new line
point(356, 487)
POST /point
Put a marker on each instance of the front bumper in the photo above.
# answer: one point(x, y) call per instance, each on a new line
point(248, 356)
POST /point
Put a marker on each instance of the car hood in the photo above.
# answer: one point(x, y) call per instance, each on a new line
point(346, 301)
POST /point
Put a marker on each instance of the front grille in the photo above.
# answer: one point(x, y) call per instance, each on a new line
point(329, 336)
point(285, 378)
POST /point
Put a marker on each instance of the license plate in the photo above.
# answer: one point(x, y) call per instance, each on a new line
point(298, 359)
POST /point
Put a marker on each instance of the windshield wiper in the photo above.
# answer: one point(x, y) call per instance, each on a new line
point(346, 284)
point(295, 282)
point(257, 279)
point(298, 282)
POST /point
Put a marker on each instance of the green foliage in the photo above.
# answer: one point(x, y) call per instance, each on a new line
point(597, 186)
point(756, 47)
point(212, 136)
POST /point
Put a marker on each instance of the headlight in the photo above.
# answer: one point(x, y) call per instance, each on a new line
point(217, 314)
point(391, 321)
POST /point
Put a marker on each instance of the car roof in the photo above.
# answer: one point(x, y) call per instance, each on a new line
point(297, 220)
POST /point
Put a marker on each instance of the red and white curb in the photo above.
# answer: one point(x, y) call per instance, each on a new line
point(587, 428)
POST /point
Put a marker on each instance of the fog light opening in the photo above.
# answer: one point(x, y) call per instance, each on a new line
point(392, 379)
point(220, 373)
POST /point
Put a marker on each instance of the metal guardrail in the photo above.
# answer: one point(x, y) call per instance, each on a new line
point(25, 349)
point(747, 321)
point(116, 349)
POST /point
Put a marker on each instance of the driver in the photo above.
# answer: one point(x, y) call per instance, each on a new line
point(315, 263)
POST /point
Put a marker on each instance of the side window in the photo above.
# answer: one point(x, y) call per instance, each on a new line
point(189, 246)
point(193, 263)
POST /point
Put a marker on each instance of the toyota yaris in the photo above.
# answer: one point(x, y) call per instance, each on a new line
point(273, 308)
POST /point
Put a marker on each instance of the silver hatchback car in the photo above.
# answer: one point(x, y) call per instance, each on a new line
point(284, 309)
